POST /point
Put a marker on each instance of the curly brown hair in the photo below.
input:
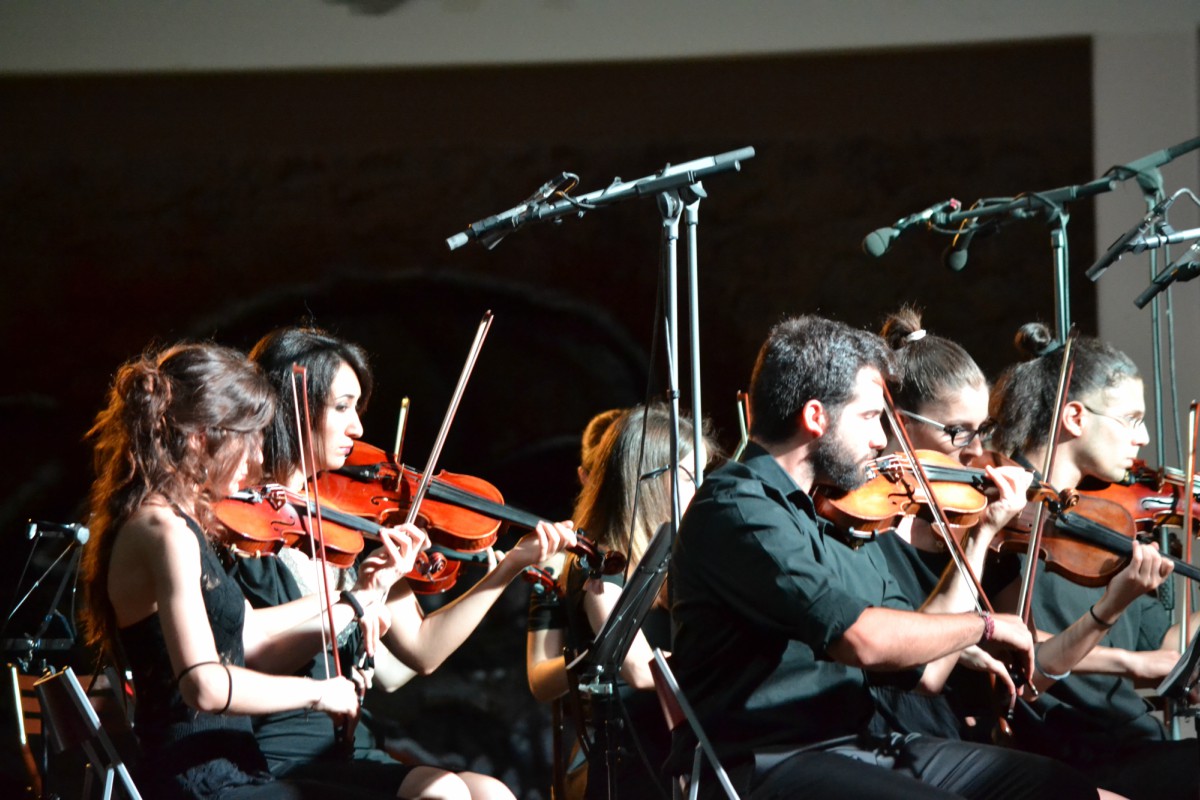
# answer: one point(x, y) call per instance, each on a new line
point(178, 422)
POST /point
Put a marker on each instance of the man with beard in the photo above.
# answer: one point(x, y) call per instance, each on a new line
point(779, 619)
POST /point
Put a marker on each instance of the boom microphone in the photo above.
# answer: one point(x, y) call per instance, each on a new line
point(878, 241)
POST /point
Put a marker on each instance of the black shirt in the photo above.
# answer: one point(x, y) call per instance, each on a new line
point(762, 587)
point(1086, 718)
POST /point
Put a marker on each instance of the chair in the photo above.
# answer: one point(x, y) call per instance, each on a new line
point(28, 713)
point(677, 711)
point(71, 723)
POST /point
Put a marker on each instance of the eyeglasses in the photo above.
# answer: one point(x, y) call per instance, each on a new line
point(959, 436)
point(1130, 421)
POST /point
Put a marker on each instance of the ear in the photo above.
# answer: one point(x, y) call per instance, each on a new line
point(813, 418)
point(1072, 418)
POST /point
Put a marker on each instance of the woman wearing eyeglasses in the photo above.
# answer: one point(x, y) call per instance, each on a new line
point(1092, 716)
point(942, 397)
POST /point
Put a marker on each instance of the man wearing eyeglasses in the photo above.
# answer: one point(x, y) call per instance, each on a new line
point(1093, 717)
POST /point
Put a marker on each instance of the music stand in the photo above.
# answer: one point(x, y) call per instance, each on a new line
point(599, 666)
point(1184, 675)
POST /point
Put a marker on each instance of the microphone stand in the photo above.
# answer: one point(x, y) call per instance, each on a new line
point(35, 644)
point(678, 191)
point(1051, 202)
point(678, 188)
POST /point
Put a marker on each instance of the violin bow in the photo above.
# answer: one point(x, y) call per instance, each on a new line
point(401, 428)
point(1188, 519)
point(304, 433)
point(1028, 576)
point(743, 418)
point(939, 517)
point(423, 487)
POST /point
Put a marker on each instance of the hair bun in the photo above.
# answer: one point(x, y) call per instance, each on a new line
point(902, 327)
point(1034, 340)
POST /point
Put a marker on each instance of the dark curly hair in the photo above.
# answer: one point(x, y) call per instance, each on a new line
point(178, 422)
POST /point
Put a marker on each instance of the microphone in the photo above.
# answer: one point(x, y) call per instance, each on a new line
point(58, 530)
point(1127, 239)
point(954, 257)
point(878, 241)
point(483, 229)
point(1181, 269)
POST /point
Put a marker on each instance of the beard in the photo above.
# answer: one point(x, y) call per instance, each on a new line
point(835, 465)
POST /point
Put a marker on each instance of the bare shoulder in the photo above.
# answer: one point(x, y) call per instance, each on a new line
point(156, 531)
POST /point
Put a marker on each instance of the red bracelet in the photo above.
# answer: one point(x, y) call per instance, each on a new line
point(989, 626)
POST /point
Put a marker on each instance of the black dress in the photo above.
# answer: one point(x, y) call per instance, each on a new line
point(189, 753)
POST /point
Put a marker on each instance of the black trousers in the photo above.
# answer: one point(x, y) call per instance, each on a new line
point(907, 767)
point(1150, 771)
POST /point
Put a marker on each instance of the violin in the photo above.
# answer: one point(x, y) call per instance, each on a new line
point(542, 580)
point(1153, 497)
point(457, 507)
point(892, 492)
point(1086, 539)
point(265, 519)
point(371, 485)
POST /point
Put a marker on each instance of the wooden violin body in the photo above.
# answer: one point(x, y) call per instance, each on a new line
point(263, 520)
point(892, 492)
point(1087, 539)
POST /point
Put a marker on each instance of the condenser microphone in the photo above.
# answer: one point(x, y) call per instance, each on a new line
point(879, 240)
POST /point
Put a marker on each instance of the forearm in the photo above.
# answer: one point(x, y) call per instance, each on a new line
point(216, 689)
point(1071, 650)
point(283, 638)
point(424, 642)
point(955, 591)
point(548, 679)
point(887, 639)
point(390, 672)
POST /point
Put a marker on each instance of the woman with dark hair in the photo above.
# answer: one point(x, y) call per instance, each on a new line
point(183, 429)
point(1091, 715)
point(339, 382)
point(941, 395)
point(626, 498)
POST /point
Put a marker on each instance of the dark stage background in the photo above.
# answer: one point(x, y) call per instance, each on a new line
point(151, 208)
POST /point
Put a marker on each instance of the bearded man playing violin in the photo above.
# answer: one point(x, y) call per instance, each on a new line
point(780, 618)
point(1092, 716)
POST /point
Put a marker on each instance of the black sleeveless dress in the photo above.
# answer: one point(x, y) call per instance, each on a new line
point(191, 754)
point(188, 753)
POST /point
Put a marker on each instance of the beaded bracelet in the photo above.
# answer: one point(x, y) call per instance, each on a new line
point(989, 626)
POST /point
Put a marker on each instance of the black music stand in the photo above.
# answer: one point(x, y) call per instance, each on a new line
point(599, 666)
point(1183, 677)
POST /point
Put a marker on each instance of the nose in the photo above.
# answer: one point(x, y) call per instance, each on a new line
point(878, 437)
point(972, 449)
point(355, 429)
point(1141, 434)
